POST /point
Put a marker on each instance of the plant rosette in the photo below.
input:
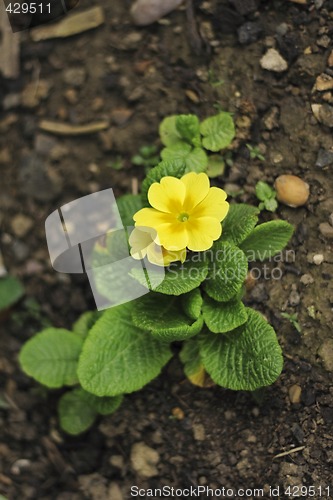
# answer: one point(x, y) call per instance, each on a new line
point(186, 228)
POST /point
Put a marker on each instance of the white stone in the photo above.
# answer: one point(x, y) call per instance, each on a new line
point(273, 61)
point(146, 12)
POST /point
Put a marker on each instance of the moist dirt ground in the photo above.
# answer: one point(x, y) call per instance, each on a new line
point(133, 77)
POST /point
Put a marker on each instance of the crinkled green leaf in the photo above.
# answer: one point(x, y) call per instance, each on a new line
point(128, 205)
point(174, 168)
point(227, 271)
point(179, 278)
point(51, 357)
point(164, 318)
point(117, 357)
point(194, 158)
point(223, 317)
point(239, 222)
point(192, 303)
point(11, 291)
point(218, 131)
point(188, 127)
point(245, 359)
point(267, 239)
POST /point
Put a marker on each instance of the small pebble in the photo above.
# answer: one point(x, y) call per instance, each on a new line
point(249, 32)
point(323, 113)
point(324, 158)
point(144, 460)
point(326, 230)
point(178, 413)
point(292, 190)
point(324, 41)
point(306, 279)
point(295, 392)
point(273, 61)
point(21, 224)
point(294, 298)
point(199, 432)
point(146, 12)
point(74, 76)
point(330, 219)
point(318, 259)
point(324, 82)
point(326, 354)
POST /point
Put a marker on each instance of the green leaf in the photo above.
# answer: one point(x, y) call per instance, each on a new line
point(223, 317)
point(106, 406)
point(266, 240)
point(216, 166)
point(271, 204)
point(179, 278)
point(188, 127)
point(51, 357)
point(239, 222)
point(192, 303)
point(117, 357)
point(175, 168)
point(218, 131)
point(76, 415)
point(78, 409)
point(86, 321)
point(11, 291)
point(194, 158)
point(227, 271)
point(264, 191)
point(168, 131)
point(246, 359)
point(163, 317)
point(128, 205)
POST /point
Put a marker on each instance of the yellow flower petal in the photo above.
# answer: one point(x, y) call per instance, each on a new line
point(197, 187)
point(202, 232)
point(161, 257)
point(152, 218)
point(139, 240)
point(214, 205)
point(167, 195)
point(173, 236)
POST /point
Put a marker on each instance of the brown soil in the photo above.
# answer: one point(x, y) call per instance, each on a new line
point(135, 77)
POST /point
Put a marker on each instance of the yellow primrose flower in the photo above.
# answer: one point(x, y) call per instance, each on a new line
point(144, 242)
point(186, 213)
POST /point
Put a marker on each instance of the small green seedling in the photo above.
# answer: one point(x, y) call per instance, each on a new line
point(267, 196)
point(198, 302)
point(116, 164)
point(147, 157)
point(213, 80)
point(293, 320)
point(255, 152)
